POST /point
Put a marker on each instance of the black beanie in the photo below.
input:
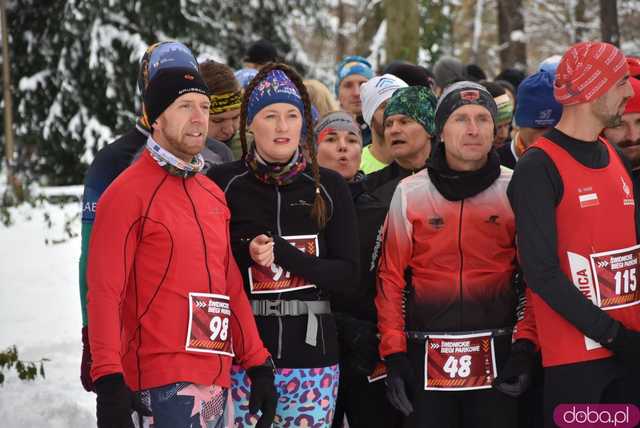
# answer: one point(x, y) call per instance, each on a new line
point(413, 75)
point(459, 94)
point(167, 86)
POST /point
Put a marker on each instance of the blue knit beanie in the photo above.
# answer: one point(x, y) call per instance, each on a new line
point(162, 56)
point(352, 64)
point(276, 87)
point(536, 106)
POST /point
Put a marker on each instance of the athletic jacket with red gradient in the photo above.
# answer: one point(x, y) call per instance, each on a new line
point(446, 266)
point(156, 238)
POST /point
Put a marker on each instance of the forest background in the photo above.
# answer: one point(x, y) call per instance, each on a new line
point(73, 63)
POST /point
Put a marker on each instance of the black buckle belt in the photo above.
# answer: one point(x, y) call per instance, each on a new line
point(279, 308)
point(424, 335)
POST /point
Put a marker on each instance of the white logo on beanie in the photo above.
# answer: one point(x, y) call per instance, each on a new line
point(376, 91)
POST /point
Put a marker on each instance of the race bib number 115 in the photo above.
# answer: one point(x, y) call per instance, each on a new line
point(616, 277)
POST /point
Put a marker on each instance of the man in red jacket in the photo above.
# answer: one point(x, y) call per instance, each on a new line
point(166, 304)
point(575, 209)
point(446, 298)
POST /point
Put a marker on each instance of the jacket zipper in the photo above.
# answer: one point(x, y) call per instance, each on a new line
point(461, 260)
point(279, 228)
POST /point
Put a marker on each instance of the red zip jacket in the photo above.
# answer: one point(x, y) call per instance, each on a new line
point(596, 214)
point(461, 256)
point(156, 238)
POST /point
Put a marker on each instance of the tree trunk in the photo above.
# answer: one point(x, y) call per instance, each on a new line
point(580, 25)
point(513, 49)
point(403, 30)
point(341, 39)
point(8, 105)
point(371, 21)
point(609, 22)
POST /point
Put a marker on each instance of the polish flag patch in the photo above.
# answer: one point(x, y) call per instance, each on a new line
point(588, 200)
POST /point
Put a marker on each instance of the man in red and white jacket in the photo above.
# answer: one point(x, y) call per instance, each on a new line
point(575, 208)
point(446, 298)
point(166, 306)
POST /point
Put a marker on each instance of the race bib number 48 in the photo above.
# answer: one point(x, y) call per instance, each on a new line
point(616, 277)
point(275, 279)
point(209, 330)
point(458, 363)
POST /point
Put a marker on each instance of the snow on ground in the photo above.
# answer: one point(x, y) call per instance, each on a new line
point(40, 314)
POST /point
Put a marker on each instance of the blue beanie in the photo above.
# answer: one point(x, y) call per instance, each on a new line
point(275, 87)
point(244, 76)
point(536, 107)
point(162, 56)
point(352, 64)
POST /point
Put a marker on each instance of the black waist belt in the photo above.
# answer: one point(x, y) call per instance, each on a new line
point(279, 308)
point(424, 335)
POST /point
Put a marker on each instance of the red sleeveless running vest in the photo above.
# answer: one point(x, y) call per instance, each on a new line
point(596, 214)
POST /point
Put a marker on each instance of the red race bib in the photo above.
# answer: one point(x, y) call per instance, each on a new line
point(275, 279)
point(379, 372)
point(209, 318)
point(459, 363)
point(615, 277)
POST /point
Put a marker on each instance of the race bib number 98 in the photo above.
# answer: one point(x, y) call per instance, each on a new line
point(209, 330)
point(275, 279)
point(458, 363)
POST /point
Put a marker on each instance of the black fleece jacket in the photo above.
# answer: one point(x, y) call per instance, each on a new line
point(257, 208)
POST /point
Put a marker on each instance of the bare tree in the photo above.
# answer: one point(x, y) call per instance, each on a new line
point(341, 39)
point(403, 29)
point(609, 21)
point(8, 105)
point(511, 35)
point(372, 17)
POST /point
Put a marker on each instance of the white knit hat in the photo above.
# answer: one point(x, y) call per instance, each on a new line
point(376, 91)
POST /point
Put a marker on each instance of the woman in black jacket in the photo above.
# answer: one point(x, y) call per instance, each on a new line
point(294, 236)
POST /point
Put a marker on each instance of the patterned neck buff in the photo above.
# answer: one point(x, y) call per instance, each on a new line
point(172, 164)
point(279, 174)
point(225, 102)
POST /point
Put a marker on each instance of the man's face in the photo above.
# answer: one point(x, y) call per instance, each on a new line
point(349, 94)
point(223, 126)
point(502, 134)
point(276, 129)
point(610, 106)
point(627, 133)
point(467, 137)
point(627, 137)
point(377, 120)
point(406, 137)
point(182, 127)
point(340, 151)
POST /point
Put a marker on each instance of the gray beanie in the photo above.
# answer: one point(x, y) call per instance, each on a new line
point(448, 69)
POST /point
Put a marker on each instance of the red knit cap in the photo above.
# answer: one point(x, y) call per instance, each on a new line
point(633, 105)
point(634, 66)
point(588, 70)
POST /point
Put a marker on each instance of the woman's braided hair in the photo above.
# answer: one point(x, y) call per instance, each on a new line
point(319, 209)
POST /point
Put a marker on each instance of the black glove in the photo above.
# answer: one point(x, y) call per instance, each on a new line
point(515, 377)
point(625, 344)
point(85, 364)
point(358, 343)
point(115, 402)
point(263, 394)
point(400, 382)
